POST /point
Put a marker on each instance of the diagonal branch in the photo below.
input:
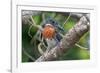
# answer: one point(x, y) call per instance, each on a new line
point(69, 40)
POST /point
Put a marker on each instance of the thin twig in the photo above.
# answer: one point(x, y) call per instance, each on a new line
point(66, 20)
point(30, 30)
point(43, 43)
point(80, 46)
point(36, 37)
point(34, 24)
point(40, 49)
point(43, 16)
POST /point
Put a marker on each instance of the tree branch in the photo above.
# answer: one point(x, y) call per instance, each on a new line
point(69, 40)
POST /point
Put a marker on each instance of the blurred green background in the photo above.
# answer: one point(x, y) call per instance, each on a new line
point(29, 47)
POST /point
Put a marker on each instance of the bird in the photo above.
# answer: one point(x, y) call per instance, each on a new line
point(51, 30)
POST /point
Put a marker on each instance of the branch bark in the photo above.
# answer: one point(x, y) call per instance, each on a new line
point(69, 40)
point(79, 15)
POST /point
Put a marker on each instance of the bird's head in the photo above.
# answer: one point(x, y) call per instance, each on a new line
point(49, 31)
point(50, 28)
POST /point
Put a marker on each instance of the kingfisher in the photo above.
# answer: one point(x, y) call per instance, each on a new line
point(50, 33)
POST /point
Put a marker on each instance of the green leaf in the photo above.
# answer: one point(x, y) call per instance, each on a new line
point(24, 57)
point(49, 14)
point(60, 18)
point(37, 19)
point(75, 54)
point(84, 41)
point(70, 23)
point(26, 43)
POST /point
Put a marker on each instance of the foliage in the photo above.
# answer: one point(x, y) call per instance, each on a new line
point(29, 44)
